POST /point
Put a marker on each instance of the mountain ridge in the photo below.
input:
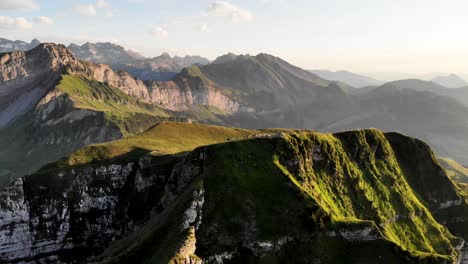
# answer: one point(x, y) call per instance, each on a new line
point(189, 224)
point(350, 78)
point(450, 81)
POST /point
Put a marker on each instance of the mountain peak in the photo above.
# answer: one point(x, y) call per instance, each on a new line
point(229, 57)
point(165, 55)
point(35, 42)
point(53, 50)
point(450, 81)
point(265, 56)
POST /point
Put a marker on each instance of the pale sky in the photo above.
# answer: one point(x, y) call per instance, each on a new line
point(415, 36)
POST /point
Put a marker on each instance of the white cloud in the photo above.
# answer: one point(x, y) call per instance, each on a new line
point(203, 28)
point(14, 23)
point(159, 32)
point(85, 10)
point(18, 5)
point(226, 9)
point(43, 20)
point(103, 3)
point(92, 9)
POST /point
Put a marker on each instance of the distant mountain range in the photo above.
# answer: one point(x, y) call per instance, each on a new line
point(12, 45)
point(353, 79)
point(159, 68)
point(107, 53)
point(359, 81)
point(450, 81)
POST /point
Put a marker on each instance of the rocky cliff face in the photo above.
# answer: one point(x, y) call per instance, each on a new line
point(190, 88)
point(122, 80)
point(216, 205)
point(27, 76)
point(183, 92)
point(87, 208)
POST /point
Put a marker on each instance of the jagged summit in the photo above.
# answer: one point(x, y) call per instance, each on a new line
point(230, 57)
point(105, 52)
point(43, 58)
point(35, 42)
point(7, 45)
point(54, 50)
point(165, 55)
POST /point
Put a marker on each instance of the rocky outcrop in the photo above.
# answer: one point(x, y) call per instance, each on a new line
point(180, 94)
point(25, 77)
point(121, 80)
point(186, 91)
point(358, 233)
point(68, 215)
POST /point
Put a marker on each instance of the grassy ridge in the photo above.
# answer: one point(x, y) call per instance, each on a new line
point(349, 178)
point(356, 175)
point(164, 138)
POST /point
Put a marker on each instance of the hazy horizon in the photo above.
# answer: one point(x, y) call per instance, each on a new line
point(364, 36)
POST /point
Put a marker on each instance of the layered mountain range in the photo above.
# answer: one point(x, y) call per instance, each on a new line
point(244, 91)
point(353, 79)
point(7, 45)
point(159, 68)
point(101, 166)
point(360, 81)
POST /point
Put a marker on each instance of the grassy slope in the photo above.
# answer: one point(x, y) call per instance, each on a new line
point(346, 188)
point(164, 138)
point(248, 196)
point(119, 108)
point(456, 172)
